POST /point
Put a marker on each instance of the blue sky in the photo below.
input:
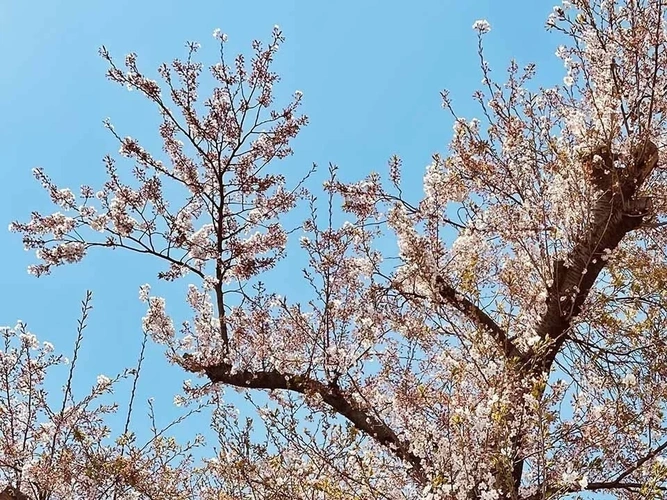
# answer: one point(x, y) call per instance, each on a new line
point(371, 72)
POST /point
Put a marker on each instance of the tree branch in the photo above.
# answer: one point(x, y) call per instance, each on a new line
point(652, 454)
point(478, 317)
point(596, 486)
point(331, 394)
point(616, 213)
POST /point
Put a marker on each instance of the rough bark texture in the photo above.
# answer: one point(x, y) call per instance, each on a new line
point(10, 493)
point(617, 212)
point(478, 317)
point(331, 394)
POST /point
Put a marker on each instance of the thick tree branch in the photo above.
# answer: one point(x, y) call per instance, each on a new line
point(10, 493)
point(330, 394)
point(478, 317)
point(616, 213)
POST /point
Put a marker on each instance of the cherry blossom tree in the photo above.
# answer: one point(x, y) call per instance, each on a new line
point(513, 345)
point(62, 448)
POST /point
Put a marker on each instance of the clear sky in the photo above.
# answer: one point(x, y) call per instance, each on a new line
point(370, 70)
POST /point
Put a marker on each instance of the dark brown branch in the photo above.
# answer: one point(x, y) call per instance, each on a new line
point(332, 395)
point(642, 461)
point(10, 493)
point(617, 484)
point(478, 317)
point(616, 213)
point(599, 486)
point(596, 486)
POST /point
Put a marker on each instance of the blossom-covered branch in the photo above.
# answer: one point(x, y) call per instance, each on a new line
point(330, 394)
point(479, 317)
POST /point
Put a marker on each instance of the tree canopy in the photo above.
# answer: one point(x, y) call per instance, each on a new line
point(510, 345)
